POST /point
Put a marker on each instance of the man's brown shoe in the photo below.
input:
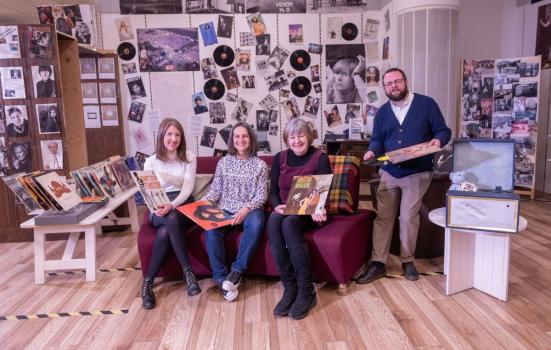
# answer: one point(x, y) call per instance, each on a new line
point(372, 273)
point(410, 272)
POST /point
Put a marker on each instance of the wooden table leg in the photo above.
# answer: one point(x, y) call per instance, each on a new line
point(90, 252)
point(39, 255)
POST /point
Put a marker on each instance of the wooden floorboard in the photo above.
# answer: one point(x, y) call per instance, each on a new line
point(391, 313)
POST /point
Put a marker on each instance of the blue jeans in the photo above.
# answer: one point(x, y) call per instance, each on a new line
point(253, 228)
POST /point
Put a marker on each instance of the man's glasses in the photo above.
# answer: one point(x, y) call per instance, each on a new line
point(392, 83)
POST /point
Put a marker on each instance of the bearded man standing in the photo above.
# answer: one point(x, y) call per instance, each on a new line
point(405, 120)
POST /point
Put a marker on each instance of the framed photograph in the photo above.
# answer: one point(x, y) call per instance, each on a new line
point(109, 115)
point(17, 121)
point(48, 118)
point(92, 117)
point(88, 68)
point(52, 154)
point(90, 92)
point(106, 67)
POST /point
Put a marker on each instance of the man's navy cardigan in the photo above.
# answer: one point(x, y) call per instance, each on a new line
point(423, 122)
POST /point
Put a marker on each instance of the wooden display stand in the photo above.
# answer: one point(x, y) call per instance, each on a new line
point(69, 99)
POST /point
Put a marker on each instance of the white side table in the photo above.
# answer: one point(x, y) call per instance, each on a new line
point(90, 226)
point(475, 259)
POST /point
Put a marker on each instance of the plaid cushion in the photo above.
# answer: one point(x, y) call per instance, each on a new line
point(344, 192)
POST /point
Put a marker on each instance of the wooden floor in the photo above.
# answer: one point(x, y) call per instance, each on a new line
point(391, 313)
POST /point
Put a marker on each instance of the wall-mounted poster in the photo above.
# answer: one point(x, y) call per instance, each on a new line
point(341, 84)
point(148, 7)
point(168, 49)
point(276, 6)
point(500, 101)
point(543, 35)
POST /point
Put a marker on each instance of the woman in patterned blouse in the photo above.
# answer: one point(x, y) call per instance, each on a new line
point(239, 187)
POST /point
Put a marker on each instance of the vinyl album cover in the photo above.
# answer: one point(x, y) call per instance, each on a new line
point(225, 26)
point(308, 194)
point(206, 214)
point(208, 34)
point(21, 193)
point(136, 112)
point(150, 188)
point(106, 179)
point(9, 42)
point(135, 87)
point(59, 190)
point(48, 118)
point(411, 152)
point(256, 23)
point(13, 83)
point(168, 49)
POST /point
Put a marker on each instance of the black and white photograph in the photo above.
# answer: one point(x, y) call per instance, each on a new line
point(90, 92)
point(262, 122)
point(13, 83)
point(52, 154)
point(82, 33)
point(4, 163)
point(352, 112)
point(210, 6)
point(225, 133)
point(109, 115)
point(136, 111)
point(386, 48)
point(230, 78)
point(263, 145)
point(21, 157)
point(272, 129)
point(17, 121)
point(148, 7)
point(262, 66)
point(208, 34)
point(88, 68)
point(276, 80)
point(106, 67)
point(241, 110)
point(284, 93)
point(125, 28)
point(219, 152)
point(334, 25)
point(315, 49)
point(272, 116)
point(371, 28)
point(268, 103)
point(198, 103)
point(387, 20)
point(243, 60)
point(208, 68)
point(317, 88)
point(311, 106)
point(225, 26)
point(129, 68)
point(276, 6)
point(40, 42)
point(341, 84)
point(168, 49)
point(231, 97)
point(217, 111)
point(44, 81)
point(136, 87)
point(263, 44)
point(48, 118)
point(209, 137)
point(248, 82)
point(315, 73)
point(290, 108)
point(246, 39)
point(332, 116)
point(278, 57)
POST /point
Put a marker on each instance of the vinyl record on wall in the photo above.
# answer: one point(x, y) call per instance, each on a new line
point(300, 60)
point(349, 31)
point(224, 56)
point(214, 89)
point(301, 86)
point(126, 51)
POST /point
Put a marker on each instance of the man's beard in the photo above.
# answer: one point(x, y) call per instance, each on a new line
point(399, 97)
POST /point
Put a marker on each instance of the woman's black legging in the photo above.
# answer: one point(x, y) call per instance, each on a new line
point(171, 230)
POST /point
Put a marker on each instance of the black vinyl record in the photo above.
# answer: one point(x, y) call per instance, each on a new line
point(214, 89)
point(126, 51)
point(301, 86)
point(300, 60)
point(349, 31)
point(223, 56)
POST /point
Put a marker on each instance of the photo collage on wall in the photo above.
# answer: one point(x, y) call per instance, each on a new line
point(500, 101)
point(29, 119)
point(260, 67)
point(74, 20)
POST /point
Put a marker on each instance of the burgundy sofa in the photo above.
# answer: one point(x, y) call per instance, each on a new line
point(338, 248)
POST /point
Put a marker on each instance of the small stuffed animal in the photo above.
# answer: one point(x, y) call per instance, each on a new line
point(456, 178)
